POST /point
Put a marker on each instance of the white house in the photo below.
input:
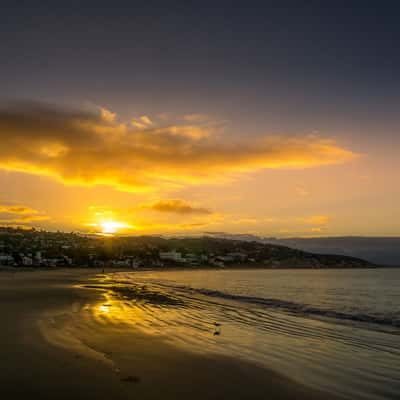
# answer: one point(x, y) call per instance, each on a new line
point(6, 259)
point(171, 255)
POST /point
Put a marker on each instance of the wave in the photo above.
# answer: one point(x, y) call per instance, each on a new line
point(294, 308)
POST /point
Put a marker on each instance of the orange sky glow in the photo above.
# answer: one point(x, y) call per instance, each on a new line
point(87, 170)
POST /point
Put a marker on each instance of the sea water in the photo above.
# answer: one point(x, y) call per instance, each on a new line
point(334, 330)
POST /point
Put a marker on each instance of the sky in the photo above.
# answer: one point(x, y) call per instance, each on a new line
point(179, 118)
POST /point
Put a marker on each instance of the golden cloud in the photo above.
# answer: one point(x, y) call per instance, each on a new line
point(92, 148)
point(174, 215)
point(16, 209)
point(107, 115)
point(316, 229)
point(19, 214)
point(176, 206)
point(142, 122)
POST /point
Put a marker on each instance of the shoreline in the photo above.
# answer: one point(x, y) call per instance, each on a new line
point(138, 364)
point(98, 270)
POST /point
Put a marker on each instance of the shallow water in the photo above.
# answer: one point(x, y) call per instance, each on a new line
point(335, 330)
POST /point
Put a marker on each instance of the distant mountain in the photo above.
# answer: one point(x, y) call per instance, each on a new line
point(379, 250)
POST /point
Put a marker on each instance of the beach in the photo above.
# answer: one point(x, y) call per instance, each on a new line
point(49, 350)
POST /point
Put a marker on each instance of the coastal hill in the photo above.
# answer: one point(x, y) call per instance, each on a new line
point(377, 250)
point(20, 247)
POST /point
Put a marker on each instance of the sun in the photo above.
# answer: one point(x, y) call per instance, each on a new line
point(110, 227)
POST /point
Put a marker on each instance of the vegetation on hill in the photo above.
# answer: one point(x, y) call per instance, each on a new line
point(32, 247)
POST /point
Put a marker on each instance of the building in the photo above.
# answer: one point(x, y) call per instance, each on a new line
point(171, 255)
point(6, 259)
point(26, 260)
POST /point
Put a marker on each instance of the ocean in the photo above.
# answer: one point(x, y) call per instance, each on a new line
point(333, 330)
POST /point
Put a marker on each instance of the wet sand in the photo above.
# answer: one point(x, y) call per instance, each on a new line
point(46, 351)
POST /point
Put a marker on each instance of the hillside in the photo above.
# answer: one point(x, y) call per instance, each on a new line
point(377, 250)
point(41, 248)
point(251, 253)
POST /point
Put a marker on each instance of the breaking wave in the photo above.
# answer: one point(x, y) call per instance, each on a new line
point(296, 308)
